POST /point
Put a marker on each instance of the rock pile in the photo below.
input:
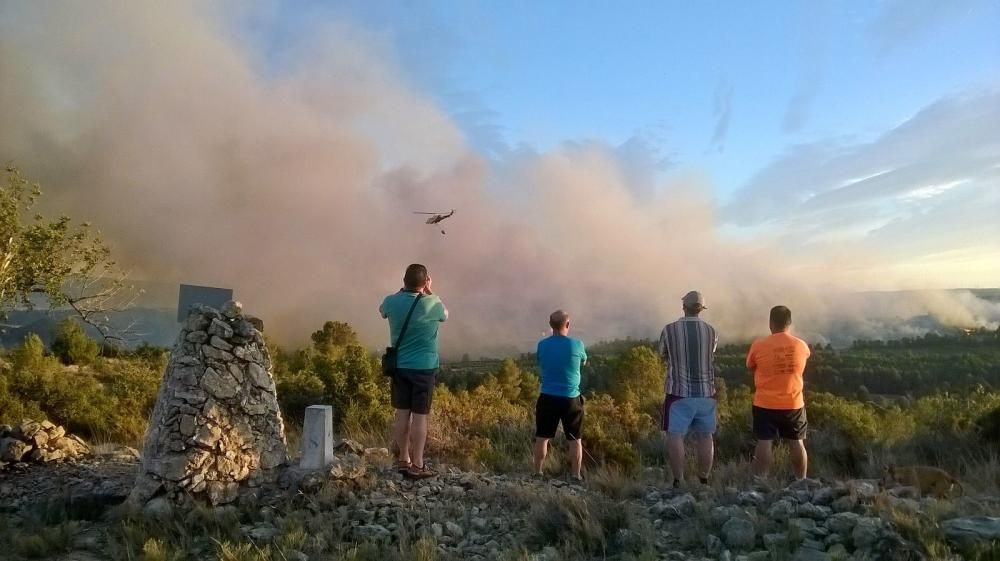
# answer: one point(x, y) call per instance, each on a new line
point(807, 521)
point(39, 442)
point(216, 426)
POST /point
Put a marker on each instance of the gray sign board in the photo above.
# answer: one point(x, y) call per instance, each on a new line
point(205, 295)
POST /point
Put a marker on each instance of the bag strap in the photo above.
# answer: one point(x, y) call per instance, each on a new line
point(406, 323)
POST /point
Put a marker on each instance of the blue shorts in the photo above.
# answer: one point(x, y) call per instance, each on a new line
point(689, 414)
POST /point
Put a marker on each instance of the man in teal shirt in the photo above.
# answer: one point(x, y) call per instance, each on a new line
point(416, 365)
point(560, 358)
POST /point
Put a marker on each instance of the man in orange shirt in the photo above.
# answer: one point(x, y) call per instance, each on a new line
point(777, 363)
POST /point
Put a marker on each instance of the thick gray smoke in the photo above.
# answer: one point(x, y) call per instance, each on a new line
point(204, 164)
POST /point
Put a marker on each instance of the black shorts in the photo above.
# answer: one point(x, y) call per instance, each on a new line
point(413, 390)
point(552, 409)
point(769, 424)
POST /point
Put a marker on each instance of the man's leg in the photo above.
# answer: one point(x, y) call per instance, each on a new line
point(572, 422)
point(547, 416)
point(793, 430)
point(422, 394)
point(401, 434)
point(765, 431)
point(576, 457)
point(703, 426)
point(675, 455)
point(679, 418)
point(762, 457)
point(706, 454)
point(800, 461)
point(541, 450)
point(401, 422)
point(418, 438)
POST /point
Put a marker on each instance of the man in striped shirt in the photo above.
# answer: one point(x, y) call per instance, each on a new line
point(688, 349)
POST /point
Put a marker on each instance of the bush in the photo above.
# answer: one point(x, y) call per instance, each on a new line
point(637, 377)
point(611, 428)
point(72, 344)
point(298, 391)
point(334, 371)
point(481, 429)
point(111, 399)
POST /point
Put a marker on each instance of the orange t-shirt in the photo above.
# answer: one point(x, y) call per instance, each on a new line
point(777, 362)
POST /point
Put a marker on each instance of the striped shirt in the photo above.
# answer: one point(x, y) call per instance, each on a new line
point(688, 347)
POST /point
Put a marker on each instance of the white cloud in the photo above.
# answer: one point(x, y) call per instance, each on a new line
point(931, 191)
point(929, 186)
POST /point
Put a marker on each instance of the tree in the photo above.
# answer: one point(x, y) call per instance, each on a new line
point(509, 378)
point(637, 377)
point(63, 263)
point(30, 355)
point(334, 337)
point(72, 344)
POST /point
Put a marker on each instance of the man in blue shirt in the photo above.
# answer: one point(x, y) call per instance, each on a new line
point(416, 365)
point(560, 358)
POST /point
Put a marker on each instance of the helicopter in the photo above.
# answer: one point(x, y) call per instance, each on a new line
point(437, 217)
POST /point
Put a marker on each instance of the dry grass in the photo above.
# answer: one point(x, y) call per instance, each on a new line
point(594, 526)
point(612, 483)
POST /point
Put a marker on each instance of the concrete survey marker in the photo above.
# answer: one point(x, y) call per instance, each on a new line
point(317, 437)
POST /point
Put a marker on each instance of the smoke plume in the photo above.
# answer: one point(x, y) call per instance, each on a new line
point(204, 162)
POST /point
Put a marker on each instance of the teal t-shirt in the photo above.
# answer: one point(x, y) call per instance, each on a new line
point(419, 350)
point(560, 358)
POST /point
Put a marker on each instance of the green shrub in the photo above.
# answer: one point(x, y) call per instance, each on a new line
point(72, 344)
point(481, 428)
point(13, 407)
point(111, 399)
point(30, 354)
point(297, 391)
point(637, 377)
point(611, 428)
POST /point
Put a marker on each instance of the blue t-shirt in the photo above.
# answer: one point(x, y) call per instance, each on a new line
point(419, 350)
point(560, 358)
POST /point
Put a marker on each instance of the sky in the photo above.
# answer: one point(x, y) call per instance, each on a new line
point(601, 158)
point(777, 104)
point(721, 88)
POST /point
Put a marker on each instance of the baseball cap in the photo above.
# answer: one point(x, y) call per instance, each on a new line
point(694, 298)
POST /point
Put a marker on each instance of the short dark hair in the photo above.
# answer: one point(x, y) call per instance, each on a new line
point(558, 319)
point(415, 276)
point(781, 316)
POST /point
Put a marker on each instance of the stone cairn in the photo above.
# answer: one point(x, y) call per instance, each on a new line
point(216, 427)
point(39, 442)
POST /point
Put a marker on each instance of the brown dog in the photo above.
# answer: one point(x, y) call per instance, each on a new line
point(927, 480)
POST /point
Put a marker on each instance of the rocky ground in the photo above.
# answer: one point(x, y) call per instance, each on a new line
point(462, 515)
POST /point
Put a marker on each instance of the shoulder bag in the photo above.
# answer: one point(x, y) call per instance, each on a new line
point(391, 356)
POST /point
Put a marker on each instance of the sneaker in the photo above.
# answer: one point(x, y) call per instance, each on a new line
point(703, 480)
point(677, 484)
point(420, 472)
point(402, 467)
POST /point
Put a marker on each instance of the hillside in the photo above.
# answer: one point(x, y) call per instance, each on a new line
point(485, 506)
point(374, 514)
